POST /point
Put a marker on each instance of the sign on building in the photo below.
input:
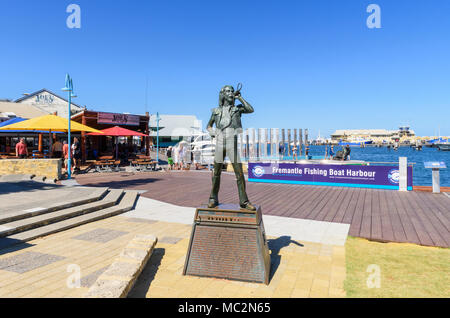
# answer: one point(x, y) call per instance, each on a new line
point(118, 119)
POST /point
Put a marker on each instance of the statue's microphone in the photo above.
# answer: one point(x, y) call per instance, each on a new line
point(238, 90)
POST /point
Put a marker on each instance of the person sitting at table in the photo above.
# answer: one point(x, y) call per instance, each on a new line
point(21, 149)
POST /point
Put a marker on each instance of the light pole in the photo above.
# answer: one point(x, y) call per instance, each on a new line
point(157, 138)
point(69, 89)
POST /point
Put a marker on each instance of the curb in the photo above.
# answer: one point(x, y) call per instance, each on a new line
point(119, 278)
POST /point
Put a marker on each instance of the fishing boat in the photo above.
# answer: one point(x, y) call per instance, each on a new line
point(443, 146)
point(435, 142)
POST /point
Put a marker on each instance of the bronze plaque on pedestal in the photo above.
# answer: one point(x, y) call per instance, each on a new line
point(228, 242)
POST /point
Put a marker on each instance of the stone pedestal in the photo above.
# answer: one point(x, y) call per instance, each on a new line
point(228, 242)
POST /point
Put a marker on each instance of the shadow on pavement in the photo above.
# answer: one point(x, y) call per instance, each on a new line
point(119, 184)
point(8, 245)
point(20, 186)
point(275, 245)
point(147, 276)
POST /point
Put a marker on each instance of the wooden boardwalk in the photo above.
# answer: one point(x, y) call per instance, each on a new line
point(381, 215)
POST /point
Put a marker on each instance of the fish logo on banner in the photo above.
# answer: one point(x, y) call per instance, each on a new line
point(394, 176)
point(258, 171)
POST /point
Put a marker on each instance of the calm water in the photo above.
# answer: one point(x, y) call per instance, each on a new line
point(421, 176)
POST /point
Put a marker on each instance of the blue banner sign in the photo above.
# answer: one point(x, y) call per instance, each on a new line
point(378, 177)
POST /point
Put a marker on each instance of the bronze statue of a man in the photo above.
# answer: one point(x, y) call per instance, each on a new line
point(227, 118)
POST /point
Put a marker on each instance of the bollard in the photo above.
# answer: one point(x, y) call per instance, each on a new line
point(435, 166)
point(403, 173)
point(436, 180)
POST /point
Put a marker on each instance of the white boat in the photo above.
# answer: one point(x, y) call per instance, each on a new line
point(444, 146)
point(203, 147)
point(355, 141)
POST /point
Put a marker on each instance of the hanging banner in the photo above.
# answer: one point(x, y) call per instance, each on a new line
point(118, 119)
point(379, 177)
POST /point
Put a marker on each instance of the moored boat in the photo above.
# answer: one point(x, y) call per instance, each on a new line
point(444, 146)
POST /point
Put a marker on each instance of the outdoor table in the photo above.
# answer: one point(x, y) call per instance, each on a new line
point(143, 157)
point(106, 165)
point(143, 165)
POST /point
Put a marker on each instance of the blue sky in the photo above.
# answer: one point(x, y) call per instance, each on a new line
point(304, 63)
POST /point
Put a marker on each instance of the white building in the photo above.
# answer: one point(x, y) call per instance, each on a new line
point(49, 102)
point(372, 134)
point(174, 128)
point(9, 110)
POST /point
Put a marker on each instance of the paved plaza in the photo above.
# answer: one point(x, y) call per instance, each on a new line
point(307, 256)
point(41, 268)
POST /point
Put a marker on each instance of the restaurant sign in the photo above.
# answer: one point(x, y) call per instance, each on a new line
point(379, 177)
point(118, 119)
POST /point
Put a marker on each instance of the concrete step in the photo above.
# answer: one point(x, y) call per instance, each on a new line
point(43, 219)
point(11, 216)
point(126, 204)
point(16, 177)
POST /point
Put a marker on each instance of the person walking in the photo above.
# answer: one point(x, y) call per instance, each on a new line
point(181, 157)
point(21, 149)
point(57, 149)
point(176, 152)
point(76, 152)
point(331, 152)
point(66, 156)
point(294, 152)
point(169, 157)
point(197, 157)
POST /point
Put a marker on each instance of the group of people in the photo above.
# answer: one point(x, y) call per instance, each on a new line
point(181, 157)
point(59, 150)
point(62, 151)
point(342, 155)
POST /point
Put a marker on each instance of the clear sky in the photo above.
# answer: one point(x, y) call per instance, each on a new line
point(303, 63)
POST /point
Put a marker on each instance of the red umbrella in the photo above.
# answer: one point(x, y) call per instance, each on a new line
point(118, 131)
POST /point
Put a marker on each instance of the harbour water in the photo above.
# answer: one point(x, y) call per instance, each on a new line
point(421, 176)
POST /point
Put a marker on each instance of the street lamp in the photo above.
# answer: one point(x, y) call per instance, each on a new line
point(157, 138)
point(69, 89)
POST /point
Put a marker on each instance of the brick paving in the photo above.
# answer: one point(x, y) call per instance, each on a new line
point(299, 269)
